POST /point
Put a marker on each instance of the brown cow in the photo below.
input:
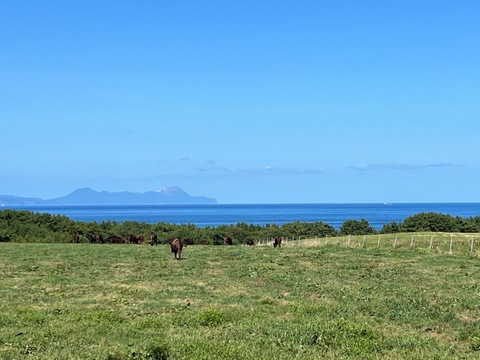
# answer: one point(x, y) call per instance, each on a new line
point(188, 242)
point(250, 242)
point(96, 239)
point(99, 238)
point(76, 238)
point(115, 240)
point(177, 246)
point(140, 239)
point(277, 241)
point(131, 239)
point(153, 238)
point(227, 240)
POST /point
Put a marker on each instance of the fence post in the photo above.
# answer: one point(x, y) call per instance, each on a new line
point(471, 246)
point(326, 239)
point(411, 241)
point(363, 242)
point(378, 242)
point(348, 241)
point(395, 242)
point(451, 241)
point(431, 242)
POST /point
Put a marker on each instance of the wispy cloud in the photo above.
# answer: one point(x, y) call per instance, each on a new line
point(212, 169)
point(400, 166)
point(266, 171)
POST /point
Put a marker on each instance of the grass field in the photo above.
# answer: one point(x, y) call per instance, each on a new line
point(82, 301)
point(440, 243)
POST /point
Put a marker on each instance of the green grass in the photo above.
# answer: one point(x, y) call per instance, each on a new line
point(82, 301)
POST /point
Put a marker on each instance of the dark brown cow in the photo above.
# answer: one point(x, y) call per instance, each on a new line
point(76, 238)
point(96, 239)
point(153, 238)
point(115, 240)
point(131, 239)
point(250, 242)
point(99, 238)
point(140, 239)
point(277, 241)
point(177, 246)
point(227, 240)
point(188, 242)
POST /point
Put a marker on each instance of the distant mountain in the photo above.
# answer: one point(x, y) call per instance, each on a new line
point(17, 200)
point(87, 196)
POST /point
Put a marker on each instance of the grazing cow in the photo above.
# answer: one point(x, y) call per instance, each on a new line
point(177, 246)
point(140, 240)
point(227, 240)
point(250, 242)
point(153, 238)
point(96, 239)
point(131, 239)
point(187, 242)
point(76, 238)
point(99, 238)
point(277, 241)
point(115, 240)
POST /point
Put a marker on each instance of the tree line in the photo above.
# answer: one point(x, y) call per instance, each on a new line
point(30, 226)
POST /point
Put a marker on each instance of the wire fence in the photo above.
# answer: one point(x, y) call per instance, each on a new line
point(443, 243)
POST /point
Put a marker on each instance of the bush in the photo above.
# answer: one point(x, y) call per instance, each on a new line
point(4, 236)
point(356, 227)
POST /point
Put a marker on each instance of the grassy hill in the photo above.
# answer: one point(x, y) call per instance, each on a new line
point(82, 301)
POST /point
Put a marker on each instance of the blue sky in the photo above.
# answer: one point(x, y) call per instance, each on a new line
point(243, 101)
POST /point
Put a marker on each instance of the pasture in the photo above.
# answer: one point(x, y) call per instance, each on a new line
point(84, 301)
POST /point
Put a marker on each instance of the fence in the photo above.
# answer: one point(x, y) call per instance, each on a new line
point(453, 244)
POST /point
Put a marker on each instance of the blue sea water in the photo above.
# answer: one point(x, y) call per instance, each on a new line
point(258, 214)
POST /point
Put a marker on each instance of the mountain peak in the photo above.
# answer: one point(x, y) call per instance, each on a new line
point(83, 191)
point(171, 190)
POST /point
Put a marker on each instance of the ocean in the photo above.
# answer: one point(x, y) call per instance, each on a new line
point(259, 214)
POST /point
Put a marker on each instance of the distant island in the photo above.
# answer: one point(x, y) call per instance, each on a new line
point(86, 196)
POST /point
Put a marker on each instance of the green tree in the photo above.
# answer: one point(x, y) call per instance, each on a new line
point(356, 227)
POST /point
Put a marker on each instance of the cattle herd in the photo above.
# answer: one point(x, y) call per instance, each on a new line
point(176, 244)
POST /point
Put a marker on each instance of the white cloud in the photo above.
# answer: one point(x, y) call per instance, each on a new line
point(267, 171)
point(400, 166)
